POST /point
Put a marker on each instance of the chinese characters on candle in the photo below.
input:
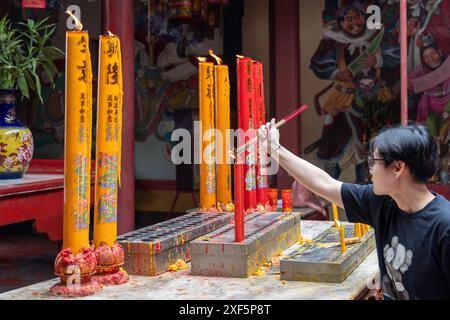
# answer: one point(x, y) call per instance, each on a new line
point(78, 137)
point(108, 150)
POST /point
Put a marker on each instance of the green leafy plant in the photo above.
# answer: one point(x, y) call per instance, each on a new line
point(25, 51)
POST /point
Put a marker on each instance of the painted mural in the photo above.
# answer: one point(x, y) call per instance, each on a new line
point(169, 37)
point(362, 64)
point(429, 66)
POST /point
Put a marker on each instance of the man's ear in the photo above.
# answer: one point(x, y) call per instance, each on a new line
point(399, 168)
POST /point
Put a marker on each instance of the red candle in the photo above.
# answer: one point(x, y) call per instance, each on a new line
point(259, 120)
point(239, 197)
point(245, 105)
point(286, 200)
point(273, 198)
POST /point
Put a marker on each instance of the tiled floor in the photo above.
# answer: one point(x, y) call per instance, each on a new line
point(25, 257)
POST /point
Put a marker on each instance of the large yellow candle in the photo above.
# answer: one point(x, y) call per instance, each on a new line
point(109, 139)
point(78, 137)
point(335, 215)
point(222, 98)
point(207, 152)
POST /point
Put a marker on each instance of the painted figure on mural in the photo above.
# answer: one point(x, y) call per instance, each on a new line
point(427, 17)
point(431, 81)
point(352, 56)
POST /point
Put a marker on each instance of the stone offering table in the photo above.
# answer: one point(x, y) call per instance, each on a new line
point(183, 285)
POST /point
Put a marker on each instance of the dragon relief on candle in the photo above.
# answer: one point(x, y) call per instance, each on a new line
point(80, 212)
point(107, 205)
point(211, 169)
point(250, 177)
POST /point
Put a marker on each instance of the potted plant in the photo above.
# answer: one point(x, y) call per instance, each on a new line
point(25, 53)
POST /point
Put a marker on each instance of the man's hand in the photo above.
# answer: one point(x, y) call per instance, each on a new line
point(269, 136)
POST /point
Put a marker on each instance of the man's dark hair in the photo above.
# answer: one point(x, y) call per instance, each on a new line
point(412, 144)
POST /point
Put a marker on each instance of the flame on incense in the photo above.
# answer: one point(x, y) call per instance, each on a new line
point(218, 60)
point(337, 222)
point(201, 59)
point(78, 24)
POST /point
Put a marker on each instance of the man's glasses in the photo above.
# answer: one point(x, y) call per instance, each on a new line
point(371, 161)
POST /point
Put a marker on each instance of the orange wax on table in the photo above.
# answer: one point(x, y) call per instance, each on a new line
point(357, 227)
point(363, 229)
point(335, 214)
point(342, 237)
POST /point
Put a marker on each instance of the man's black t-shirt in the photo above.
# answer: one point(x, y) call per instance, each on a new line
point(413, 248)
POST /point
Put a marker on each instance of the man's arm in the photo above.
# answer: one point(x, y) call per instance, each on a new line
point(312, 177)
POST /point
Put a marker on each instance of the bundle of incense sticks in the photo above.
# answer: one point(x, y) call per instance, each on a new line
point(234, 153)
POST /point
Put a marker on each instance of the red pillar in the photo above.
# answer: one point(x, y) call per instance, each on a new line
point(285, 74)
point(118, 18)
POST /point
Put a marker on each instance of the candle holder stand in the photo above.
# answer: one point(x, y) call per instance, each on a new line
point(151, 250)
point(75, 274)
point(266, 235)
point(321, 260)
point(109, 265)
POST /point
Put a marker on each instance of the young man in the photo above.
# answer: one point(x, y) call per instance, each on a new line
point(412, 224)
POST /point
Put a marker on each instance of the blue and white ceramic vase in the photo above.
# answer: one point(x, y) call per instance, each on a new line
point(16, 140)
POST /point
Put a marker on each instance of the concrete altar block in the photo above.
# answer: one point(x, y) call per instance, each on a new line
point(321, 260)
point(151, 250)
point(266, 234)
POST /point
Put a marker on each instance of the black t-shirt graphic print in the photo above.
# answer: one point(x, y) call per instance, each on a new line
point(413, 248)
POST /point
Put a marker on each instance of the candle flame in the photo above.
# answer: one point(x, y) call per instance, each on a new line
point(110, 34)
point(78, 24)
point(239, 56)
point(201, 59)
point(218, 60)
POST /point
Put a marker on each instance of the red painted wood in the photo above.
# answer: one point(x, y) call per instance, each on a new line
point(49, 183)
point(443, 189)
point(41, 200)
point(285, 74)
point(46, 166)
point(156, 185)
point(118, 18)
